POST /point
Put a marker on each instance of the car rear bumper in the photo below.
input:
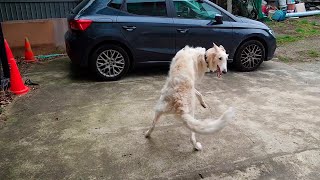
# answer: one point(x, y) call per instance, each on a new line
point(77, 49)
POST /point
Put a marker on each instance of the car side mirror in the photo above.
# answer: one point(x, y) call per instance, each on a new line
point(218, 18)
point(186, 10)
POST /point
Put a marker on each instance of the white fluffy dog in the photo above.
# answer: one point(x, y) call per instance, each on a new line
point(178, 94)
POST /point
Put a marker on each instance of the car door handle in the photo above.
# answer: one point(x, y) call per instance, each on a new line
point(182, 30)
point(129, 28)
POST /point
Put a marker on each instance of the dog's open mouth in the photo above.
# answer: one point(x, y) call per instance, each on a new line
point(219, 73)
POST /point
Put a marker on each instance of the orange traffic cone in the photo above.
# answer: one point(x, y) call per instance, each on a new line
point(16, 84)
point(28, 54)
point(8, 51)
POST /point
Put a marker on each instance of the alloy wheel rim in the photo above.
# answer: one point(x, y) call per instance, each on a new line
point(110, 63)
point(251, 56)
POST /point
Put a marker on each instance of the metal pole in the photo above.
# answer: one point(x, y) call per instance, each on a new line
point(4, 62)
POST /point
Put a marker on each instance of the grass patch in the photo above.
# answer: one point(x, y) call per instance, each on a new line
point(282, 39)
point(293, 30)
point(284, 59)
point(303, 21)
point(300, 30)
point(313, 54)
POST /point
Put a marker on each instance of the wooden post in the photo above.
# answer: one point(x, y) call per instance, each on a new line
point(229, 6)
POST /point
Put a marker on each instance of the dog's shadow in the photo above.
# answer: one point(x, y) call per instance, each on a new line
point(158, 143)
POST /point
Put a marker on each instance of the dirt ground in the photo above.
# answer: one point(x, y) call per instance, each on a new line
point(307, 50)
point(289, 25)
point(72, 127)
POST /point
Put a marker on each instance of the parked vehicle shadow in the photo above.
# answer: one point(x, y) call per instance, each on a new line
point(149, 70)
point(80, 74)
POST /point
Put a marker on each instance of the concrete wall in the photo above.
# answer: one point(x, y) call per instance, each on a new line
point(46, 36)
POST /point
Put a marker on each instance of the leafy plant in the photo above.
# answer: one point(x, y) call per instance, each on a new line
point(313, 54)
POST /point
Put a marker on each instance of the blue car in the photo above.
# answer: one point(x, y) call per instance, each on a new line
point(112, 37)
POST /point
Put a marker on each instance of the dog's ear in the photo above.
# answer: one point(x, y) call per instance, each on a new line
point(221, 47)
point(214, 45)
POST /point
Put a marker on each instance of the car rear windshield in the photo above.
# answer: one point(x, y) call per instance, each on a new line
point(80, 6)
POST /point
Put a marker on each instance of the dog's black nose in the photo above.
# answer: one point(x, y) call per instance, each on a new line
point(224, 72)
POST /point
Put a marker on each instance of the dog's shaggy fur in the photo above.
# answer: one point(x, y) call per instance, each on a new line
point(179, 93)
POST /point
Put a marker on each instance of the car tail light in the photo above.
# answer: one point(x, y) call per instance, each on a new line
point(80, 24)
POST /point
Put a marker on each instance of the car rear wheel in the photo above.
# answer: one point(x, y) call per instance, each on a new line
point(249, 56)
point(110, 62)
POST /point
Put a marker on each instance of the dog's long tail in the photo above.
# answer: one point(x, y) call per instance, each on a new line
point(208, 126)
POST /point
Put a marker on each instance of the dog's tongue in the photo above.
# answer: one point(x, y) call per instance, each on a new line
point(219, 73)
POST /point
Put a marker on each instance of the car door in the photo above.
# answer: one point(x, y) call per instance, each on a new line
point(196, 26)
point(149, 30)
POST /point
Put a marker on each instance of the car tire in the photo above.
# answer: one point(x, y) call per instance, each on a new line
point(110, 62)
point(249, 56)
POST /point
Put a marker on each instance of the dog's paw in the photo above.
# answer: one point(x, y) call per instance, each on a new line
point(230, 114)
point(204, 105)
point(147, 135)
point(198, 147)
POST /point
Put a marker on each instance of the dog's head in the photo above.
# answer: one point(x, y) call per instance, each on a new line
point(217, 59)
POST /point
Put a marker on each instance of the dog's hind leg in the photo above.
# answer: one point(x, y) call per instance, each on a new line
point(196, 145)
point(200, 98)
point(155, 120)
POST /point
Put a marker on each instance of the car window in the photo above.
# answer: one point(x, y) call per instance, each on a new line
point(147, 7)
point(116, 4)
point(195, 9)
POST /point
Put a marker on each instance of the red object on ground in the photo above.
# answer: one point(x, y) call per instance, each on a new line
point(28, 54)
point(291, 8)
point(264, 9)
point(16, 83)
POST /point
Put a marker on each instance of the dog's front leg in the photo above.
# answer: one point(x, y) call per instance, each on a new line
point(200, 98)
point(196, 145)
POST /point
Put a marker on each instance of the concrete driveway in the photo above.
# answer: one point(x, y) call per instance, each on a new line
point(72, 127)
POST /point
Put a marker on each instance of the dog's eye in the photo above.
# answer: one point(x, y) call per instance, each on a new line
point(220, 58)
